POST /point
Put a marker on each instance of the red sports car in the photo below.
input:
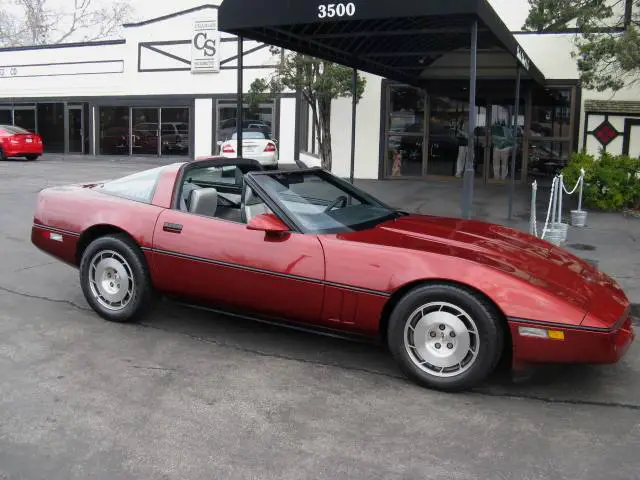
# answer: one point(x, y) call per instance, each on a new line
point(18, 142)
point(449, 297)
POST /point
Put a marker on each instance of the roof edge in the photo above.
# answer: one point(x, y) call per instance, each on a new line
point(97, 43)
point(170, 15)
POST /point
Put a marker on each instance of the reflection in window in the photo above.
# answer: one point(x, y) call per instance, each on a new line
point(51, 126)
point(139, 187)
point(546, 159)
point(551, 114)
point(114, 130)
point(407, 106)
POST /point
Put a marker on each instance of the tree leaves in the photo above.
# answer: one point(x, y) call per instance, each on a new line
point(607, 43)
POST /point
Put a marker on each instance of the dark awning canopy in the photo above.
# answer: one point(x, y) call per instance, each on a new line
point(410, 41)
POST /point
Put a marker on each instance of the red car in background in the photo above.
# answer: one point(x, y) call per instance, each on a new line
point(304, 248)
point(18, 142)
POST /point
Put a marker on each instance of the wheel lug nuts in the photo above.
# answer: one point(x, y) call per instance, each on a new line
point(442, 327)
point(437, 345)
point(450, 346)
point(433, 334)
point(452, 334)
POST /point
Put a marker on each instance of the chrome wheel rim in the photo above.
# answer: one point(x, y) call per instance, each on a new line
point(441, 339)
point(111, 280)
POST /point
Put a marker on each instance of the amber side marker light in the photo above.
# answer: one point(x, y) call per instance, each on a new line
point(541, 333)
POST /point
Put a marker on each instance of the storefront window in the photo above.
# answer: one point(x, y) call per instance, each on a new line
point(175, 131)
point(550, 132)
point(258, 118)
point(114, 130)
point(24, 116)
point(6, 118)
point(405, 132)
point(51, 126)
point(448, 137)
point(546, 158)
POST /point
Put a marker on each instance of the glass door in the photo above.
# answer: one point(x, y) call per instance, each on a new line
point(502, 142)
point(174, 130)
point(405, 132)
point(145, 131)
point(25, 117)
point(75, 115)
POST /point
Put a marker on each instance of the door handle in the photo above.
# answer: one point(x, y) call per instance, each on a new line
point(172, 227)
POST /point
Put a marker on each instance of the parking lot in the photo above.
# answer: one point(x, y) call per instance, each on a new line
point(189, 394)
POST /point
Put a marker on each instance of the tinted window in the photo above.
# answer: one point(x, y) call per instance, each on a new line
point(139, 187)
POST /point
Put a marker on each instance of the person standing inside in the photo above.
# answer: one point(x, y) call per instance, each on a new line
point(503, 144)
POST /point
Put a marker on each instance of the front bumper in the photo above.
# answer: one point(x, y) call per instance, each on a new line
point(573, 345)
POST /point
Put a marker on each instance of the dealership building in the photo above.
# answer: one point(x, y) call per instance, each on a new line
point(168, 88)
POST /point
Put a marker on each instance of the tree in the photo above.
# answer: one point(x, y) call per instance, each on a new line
point(607, 39)
point(318, 81)
point(36, 22)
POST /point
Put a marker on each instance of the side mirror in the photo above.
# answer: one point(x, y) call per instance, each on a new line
point(219, 142)
point(268, 223)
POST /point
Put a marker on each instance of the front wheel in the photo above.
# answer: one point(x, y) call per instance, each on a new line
point(32, 157)
point(445, 337)
point(115, 279)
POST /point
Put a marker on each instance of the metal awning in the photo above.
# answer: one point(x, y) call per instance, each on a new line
point(416, 42)
point(409, 41)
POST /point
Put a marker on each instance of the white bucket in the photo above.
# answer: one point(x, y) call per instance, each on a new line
point(578, 218)
point(556, 234)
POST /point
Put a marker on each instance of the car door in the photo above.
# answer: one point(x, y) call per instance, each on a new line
point(224, 263)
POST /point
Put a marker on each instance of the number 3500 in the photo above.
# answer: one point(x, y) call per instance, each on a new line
point(331, 10)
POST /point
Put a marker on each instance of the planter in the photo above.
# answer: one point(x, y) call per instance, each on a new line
point(578, 218)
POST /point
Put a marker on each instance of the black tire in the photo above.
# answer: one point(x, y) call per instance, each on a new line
point(2, 155)
point(483, 315)
point(143, 296)
point(32, 157)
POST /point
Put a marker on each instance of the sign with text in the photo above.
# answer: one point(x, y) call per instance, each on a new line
point(205, 47)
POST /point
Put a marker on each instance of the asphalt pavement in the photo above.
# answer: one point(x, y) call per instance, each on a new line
point(189, 394)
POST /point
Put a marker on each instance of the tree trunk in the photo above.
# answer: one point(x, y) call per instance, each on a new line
point(324, 134)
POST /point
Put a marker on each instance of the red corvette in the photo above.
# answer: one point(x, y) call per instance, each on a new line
point(18, 142)
point(450, 297)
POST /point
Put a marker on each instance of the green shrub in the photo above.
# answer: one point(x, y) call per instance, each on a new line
point(611, 183)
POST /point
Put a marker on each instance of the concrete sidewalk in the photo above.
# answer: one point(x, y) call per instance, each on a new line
point(611, 240)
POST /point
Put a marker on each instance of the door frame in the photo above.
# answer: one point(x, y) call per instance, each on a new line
point(67, 137)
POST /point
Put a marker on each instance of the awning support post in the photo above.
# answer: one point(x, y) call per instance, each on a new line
point(240, 101)
point(354, 91)
point(469, 170)
point(512, 183)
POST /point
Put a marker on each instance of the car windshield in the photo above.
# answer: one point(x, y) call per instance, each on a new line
point(322, 203)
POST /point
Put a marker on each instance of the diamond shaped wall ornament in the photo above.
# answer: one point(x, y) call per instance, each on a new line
point(605, 133)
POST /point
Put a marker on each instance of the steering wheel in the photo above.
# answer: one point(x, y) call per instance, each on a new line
point(342, 199)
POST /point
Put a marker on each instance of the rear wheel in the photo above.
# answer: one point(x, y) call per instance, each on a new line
point(445, 337)
point(2, 155)
point(115, 279)
point(32, 157)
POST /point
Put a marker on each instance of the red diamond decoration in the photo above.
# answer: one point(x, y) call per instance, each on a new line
point(605, 133)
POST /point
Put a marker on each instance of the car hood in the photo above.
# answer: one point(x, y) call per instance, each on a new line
point(535, 261)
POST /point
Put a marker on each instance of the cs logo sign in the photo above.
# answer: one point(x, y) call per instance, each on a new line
point(206, 45)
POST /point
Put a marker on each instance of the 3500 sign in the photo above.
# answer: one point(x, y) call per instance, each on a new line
point(330, 10)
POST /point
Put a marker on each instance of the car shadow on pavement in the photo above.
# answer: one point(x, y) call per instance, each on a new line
point(599, 385)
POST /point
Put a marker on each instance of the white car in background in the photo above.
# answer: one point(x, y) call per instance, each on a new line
point(256, 145)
